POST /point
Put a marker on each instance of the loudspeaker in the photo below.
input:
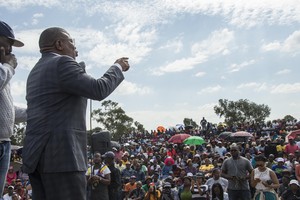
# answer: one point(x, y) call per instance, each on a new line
point(101, 142)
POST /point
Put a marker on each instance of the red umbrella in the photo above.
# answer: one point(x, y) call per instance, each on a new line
point(242, 134)
point(169, 159)
point(293, 134)
point(178, 138)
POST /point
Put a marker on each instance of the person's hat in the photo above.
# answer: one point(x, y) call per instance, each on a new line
point(6, 31)
point(169, 178)
point(189, 174)
point(197, 156)
point(280, 159)
point(114, 149)
point(11, 187)
point(152, 184)
point(109, 154)
point(132, 177)
point(11, 167)
point(294, 182)
point(290, 137)
point(148, 178)
point(167, 185)
point(127, 163)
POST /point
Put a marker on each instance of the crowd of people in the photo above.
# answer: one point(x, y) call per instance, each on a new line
point(147, 166)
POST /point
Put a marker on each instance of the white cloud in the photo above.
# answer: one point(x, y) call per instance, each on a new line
point(129, 88)
point(210, 90)
point(285, 88)
point(27, 62)
point(273, 46)
point(175, 45)
point(284, 71)
point(254, 86)
point(290, 45)
point(200, 74)
point(36, 17)
point(18, 88)
point(217, 43)
point(238, 67)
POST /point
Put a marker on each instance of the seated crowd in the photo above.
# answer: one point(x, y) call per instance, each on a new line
point(150, 168)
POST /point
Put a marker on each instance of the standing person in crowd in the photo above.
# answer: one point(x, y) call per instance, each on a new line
point(236, 170)
point(9, 113)
point(55, 153)
point(114, 188)
point(264, 180)
point(98, 176)
point(293, 193)
point(271, 161)
point(11, 175)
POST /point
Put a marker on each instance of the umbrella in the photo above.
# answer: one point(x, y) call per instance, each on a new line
point(194, 140)
point(293, 134)
point(161, 129)
point(224, 135)
point(169, 159)
point(178, 138)
point(242, 134)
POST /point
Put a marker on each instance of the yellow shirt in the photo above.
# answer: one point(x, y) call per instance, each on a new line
point(280, 148)
point(206, 168)
point(154, 197)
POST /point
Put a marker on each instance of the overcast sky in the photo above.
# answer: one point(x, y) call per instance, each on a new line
point(185, 55)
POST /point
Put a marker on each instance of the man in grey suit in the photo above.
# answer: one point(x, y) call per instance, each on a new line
point(54, 153)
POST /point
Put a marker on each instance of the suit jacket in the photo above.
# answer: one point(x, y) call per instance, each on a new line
point(57, 92)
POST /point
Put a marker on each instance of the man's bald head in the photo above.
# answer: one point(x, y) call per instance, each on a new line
point(49, 36)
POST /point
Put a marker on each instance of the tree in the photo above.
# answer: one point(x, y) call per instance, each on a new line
point(289, 118)
point(241, 111)
point(19, 133)
point(188, 122)
point(114, 119)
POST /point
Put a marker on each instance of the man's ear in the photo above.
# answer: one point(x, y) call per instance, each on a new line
point(58, 45)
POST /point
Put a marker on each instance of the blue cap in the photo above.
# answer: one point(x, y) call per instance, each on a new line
point(7, 32)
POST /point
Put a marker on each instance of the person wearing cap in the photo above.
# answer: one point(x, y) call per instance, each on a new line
point(114, 188)
point(98, 179)
point(279, 167)
point(293, 192)
point(9, 114)
point(9, 195)
point(264, 180)
point(131, 185)
point(57, 91)
point(138, 193)
point(236, 170)
point(220, 149)
point(127, 172)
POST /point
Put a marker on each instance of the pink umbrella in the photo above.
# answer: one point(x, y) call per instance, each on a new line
point(178, 138)
point(170, 160)
point(242, 134)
